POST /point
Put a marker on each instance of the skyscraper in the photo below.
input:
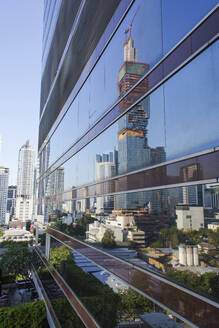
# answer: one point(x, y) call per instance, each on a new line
point(3, 192)
point(106, 167)
point(133, 150)
point(154, 99)
point(54, 192)
point(11, 201)
point(25, 179)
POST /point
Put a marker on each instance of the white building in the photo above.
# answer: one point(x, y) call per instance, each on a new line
point(213, 226)
point(189, 217)
point(16, 235)
point(122, 221)
point(97, 229)
point(105, 168)
point(25, 178)
point(3, 193)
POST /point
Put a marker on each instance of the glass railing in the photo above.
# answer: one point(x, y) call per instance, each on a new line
point(64, 312)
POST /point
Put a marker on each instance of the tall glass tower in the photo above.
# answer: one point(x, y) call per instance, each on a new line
point(25, 178)
point(3, 193)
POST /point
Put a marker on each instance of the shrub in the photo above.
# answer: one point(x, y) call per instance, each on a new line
point(27, 315)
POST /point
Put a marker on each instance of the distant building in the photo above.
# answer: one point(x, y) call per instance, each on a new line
point(213, 226)
point(25, 178)
point(3, 193)
point(106, 167)
point(11, 201)
point(189, 217)
point(55, 188)
point(16, 235)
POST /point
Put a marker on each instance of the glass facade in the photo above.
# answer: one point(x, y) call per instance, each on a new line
point(128, 137)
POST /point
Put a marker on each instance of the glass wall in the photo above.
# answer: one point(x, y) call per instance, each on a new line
point(64, 312)
point(173, 232)
point(179, 118)
point(108, 298)
point(140, 42)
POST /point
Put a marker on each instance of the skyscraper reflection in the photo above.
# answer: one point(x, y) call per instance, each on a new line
point(134, 151)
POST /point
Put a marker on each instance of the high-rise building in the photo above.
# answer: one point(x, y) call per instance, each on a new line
point(138, 77)
point(55, 190)
point(25, 179)
point(133, 150)
point(11, 201)
point(106, 167)
point(3, 193)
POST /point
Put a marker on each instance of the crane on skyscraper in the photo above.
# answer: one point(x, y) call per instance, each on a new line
point(129, 29)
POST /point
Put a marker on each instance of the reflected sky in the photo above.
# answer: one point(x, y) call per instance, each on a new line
point(177, 119)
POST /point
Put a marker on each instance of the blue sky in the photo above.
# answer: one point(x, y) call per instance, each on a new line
point(20, 71)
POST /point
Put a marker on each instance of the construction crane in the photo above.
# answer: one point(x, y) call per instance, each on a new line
point(129, 29)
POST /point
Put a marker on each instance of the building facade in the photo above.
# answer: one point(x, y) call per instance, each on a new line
point(189, 217)
point(11, 201)
point(129, 113)
point(25, 180)
point(4, 172)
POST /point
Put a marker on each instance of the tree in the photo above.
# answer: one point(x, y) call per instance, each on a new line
point(213, 238)
point(132, 304)
point(42, 239)
point(17, 261)
point(27, 315)
point(1, 233)
point(99, 299)
point(11, 244)
point(59, 255)
point(157, 244)
point(108, 240)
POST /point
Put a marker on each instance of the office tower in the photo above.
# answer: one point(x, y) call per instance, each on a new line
point(106, 167)
point(11, 201)
point(55, 189)
point(4, 172)
point(25, 179)
point(133, 150)
point(138, 77)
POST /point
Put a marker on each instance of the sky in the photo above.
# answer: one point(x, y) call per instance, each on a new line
point(20, 73)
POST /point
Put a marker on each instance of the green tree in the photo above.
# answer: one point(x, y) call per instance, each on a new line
point(59, 255)
point(132, 304)
point(157, 244)
point(99, 299)
point(27, 315)
point(108, 240)
point(42, 239)
point(1, 233)
point(213, 238)
point(17, 261)
point(11, 244)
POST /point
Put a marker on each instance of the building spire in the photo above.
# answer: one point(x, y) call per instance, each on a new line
point(130, 52)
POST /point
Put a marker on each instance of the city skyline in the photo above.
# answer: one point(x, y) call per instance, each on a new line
point(122, 178)
point(20, 77)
